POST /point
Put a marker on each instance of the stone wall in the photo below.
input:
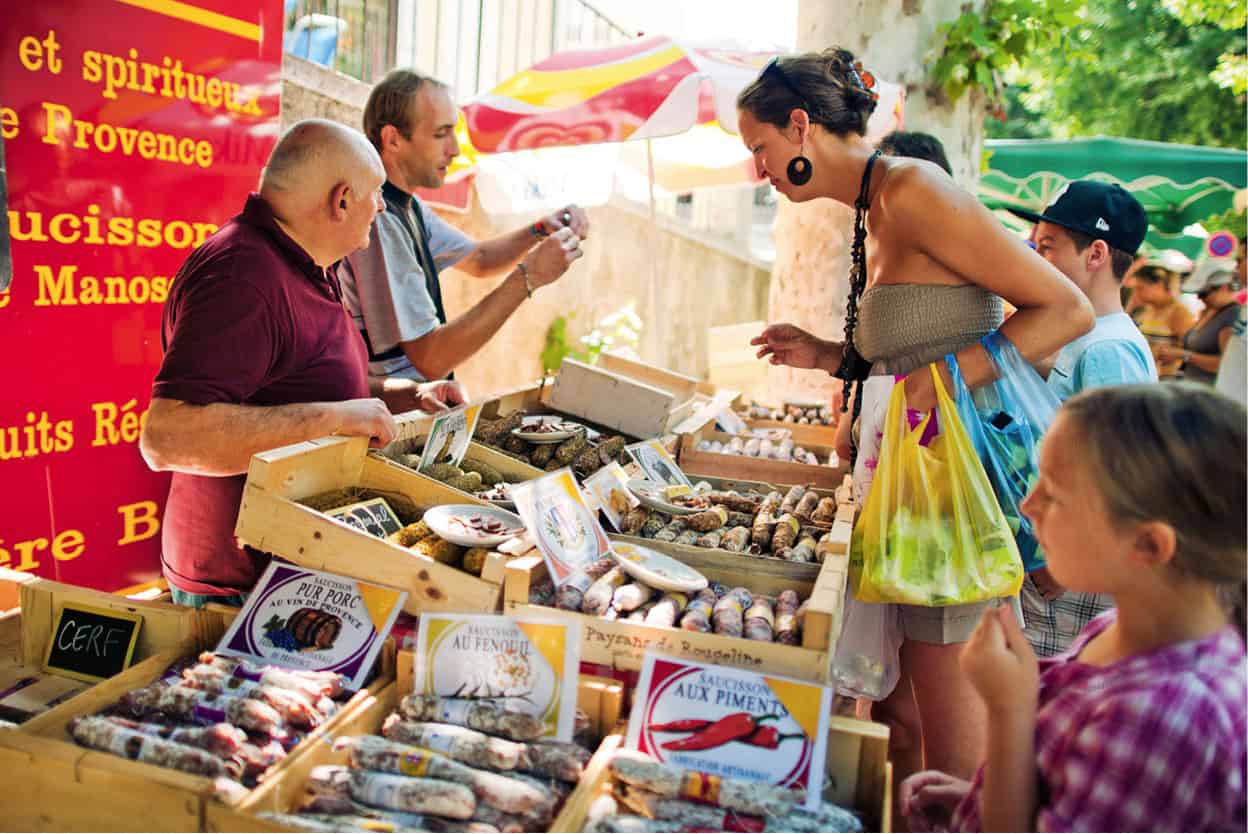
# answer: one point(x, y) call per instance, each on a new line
point(679, 286)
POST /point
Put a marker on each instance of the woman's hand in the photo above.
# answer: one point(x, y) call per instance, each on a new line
point(1000, 664)
point(929, 798)
point(790, 345)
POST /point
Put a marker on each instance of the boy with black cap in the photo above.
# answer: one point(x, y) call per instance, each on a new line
point(1091, 234)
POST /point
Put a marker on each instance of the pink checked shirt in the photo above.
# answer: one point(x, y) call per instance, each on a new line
point(1155, 742)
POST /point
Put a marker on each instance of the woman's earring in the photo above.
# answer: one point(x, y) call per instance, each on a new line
point(799, 170)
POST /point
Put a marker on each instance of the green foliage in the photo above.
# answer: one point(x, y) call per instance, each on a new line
point(977, 47)
point(1132, 68)
point(618, 329)
point(1235, 222)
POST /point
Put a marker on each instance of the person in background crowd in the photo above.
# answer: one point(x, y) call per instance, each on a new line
point(1141, 725)
point(940, 261)
point(392, 286)
point(1160, 316)
point(900, 143)
point(1091, 233)
point(259, 352)
point(1214, 283)
point(1233, 372)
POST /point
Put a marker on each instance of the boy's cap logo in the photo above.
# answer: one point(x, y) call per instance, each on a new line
point(1101, 224)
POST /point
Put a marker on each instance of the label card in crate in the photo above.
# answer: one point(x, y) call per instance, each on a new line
point(609, 485)
point(565, 528)
point(373, 516)
point(449, 436)
point(314, 621)
point(657, 464)
point(91, 644)
point(732, 723)
point(528, 664)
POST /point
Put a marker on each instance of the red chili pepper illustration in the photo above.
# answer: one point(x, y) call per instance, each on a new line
point(684, 725)
point(732, 727)
point(769, 737)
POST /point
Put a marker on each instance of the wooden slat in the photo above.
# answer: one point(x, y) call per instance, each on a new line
point(305, 469)
point(679, 385)
point(164, 624)
point(303, 536)
point(576, 806)
point(611, 400)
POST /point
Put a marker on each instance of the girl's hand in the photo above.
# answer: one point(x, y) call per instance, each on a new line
point(929, 798)
point(790, 345)
point(1000, 663)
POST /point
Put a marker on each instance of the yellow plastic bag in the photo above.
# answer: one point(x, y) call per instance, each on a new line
point(931, 531)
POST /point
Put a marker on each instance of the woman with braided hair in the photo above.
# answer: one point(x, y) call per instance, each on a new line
point(930, 266)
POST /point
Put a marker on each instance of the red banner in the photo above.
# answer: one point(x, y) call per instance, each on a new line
point(132, 130)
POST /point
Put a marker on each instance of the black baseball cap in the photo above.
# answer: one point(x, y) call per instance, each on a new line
point(1104, 211)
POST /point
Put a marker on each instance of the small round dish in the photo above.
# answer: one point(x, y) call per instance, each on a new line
point(656, 569)
point(546, 429)
point(650, 495)
point(470, 525)
point(498, 496)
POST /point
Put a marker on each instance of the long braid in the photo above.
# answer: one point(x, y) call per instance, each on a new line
point(857, 285)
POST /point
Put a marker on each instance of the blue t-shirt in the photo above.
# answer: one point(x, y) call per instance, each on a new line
point(1113, 353)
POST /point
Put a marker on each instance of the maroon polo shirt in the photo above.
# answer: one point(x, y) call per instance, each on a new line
point(251, 320)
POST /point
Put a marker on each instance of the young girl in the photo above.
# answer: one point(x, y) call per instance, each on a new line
point(1140, 725)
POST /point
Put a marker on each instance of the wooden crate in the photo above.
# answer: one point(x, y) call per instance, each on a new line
point(622, 645)
point(857, 762)
point(26, 629)
point(66, 787)
point(272, 519)
point(619, 402)
point(694, 462)
point(601, 698)
point(803, 435)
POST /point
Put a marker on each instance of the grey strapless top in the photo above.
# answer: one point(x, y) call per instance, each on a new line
point(905, 326)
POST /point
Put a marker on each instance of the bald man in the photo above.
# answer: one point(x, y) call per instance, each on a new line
point(260, 353)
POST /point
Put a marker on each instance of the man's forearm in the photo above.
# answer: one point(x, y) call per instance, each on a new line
point(220, 439)
point(445, 348)
point(500, 253)
point(1008, 799)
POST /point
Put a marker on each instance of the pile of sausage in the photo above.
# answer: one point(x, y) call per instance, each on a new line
point(221, 718)
point(649, 796)
point(803, 415)
point(443, 764)
point(604, 590)
point(782, 527)
point(578, 452)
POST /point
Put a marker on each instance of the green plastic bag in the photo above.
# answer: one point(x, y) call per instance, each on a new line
point(931, 531)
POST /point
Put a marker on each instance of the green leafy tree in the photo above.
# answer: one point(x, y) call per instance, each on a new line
point(1148, 69)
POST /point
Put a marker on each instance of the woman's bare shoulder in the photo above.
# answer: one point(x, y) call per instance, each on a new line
point(916, 185)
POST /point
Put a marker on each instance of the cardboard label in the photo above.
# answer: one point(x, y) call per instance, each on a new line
point(91, 644)
point(312, 620)
point(449, 436)
point(657, 464)
point(728, 722)
point(565, 529)
point(527, 663)
point(373, 516)
point(609, 485)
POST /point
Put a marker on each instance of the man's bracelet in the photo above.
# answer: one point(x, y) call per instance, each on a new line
point(524, 273)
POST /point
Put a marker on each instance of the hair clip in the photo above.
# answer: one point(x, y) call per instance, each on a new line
point(865, 79)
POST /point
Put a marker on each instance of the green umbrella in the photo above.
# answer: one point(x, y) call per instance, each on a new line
point(1178, 185)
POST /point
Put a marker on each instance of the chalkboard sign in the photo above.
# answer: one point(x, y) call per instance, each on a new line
point(92, 644)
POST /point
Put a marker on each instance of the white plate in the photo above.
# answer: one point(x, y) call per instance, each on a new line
point(451, 522)
point(656, 569)
point(524, 432)
point(650, 495)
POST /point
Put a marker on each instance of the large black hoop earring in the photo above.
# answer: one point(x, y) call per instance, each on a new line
point(799, 170)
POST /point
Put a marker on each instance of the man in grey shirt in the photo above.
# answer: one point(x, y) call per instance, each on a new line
point(392, 288)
